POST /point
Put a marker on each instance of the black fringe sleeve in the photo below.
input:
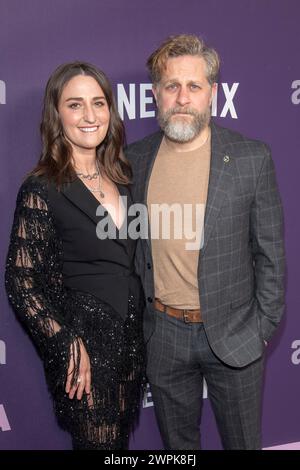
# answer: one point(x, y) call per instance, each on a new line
point(34, 285)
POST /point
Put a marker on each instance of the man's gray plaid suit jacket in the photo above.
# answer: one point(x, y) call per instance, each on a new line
point(241, 265)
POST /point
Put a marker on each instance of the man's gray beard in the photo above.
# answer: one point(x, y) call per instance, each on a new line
point(182, 131)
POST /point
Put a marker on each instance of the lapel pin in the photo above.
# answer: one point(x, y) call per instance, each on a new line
point(226, 158)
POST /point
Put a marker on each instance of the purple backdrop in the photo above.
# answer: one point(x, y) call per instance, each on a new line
point(259, 94)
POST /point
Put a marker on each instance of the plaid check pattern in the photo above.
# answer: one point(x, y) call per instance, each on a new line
point(241, 266)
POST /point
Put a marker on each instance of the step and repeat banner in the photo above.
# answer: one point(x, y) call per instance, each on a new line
point(258, 95)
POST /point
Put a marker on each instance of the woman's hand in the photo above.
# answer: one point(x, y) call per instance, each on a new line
point(83, 383)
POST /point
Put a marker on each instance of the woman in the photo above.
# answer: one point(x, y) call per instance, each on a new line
point(76, 292)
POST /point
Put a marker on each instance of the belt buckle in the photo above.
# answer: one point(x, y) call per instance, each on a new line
point(185, 316)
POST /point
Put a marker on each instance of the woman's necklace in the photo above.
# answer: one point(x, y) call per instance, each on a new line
point(88, 176)
point(93, 176)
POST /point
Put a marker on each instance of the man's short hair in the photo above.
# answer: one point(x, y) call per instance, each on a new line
point(180, 45)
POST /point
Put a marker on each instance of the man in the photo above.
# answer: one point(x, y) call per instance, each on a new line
point(211, 310)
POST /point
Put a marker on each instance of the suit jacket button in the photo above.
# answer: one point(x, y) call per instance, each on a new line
point(149, 299)
point(149, 265)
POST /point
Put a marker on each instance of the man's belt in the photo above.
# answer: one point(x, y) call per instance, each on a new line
point(188, 316)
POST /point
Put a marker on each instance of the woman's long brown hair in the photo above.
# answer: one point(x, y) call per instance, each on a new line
point(55, 162)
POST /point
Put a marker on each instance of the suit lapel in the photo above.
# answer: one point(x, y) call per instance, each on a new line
point(220, 180)
point(150, 159)
point(77, 193)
